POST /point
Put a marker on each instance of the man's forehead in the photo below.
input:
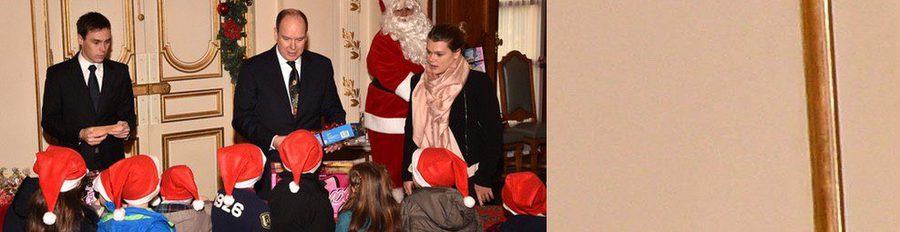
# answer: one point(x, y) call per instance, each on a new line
point(292, 37)
point(101, 34)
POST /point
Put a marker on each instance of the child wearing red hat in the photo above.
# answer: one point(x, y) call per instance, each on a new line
point(525, 197)
point(437, 206)
point(126, 188)
point(179, 201)
point(299, 202)
point(237, 207)
point(57, 205)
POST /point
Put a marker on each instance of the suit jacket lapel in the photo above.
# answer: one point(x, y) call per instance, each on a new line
point(305, 78)
point(106, 88)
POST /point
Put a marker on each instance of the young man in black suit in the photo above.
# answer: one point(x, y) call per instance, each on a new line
point(284, 89)
point(88, 103)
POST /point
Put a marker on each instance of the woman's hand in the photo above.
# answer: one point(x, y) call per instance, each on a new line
point(484, 194)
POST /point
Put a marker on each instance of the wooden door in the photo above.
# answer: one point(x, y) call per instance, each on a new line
point(478, 18)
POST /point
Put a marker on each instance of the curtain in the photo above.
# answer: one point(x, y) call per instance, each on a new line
point(519, 26)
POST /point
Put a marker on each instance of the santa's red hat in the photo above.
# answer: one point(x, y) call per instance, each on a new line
point(439, 167)
point(177, 184)
point(301, 153)
point(59, 170)
point(381, 4)
point(524, 193)
point(133, 180)
point(240, 166)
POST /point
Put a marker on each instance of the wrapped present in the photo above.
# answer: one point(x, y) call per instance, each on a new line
point(336, 185)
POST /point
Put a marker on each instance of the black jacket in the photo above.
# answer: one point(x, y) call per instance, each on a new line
point(19, 209)
point(67, 108)
point(307, 210)
point(248, 213)
point(475, 121)
point(524, 223)
point(261, 105)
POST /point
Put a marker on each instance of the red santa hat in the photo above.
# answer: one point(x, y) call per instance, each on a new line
point(439, 167)
point(59, 170)
point(177, 184)
point(133, 180)
point(381, 4)
point(240, 166)
point(301, 153)
point(524, 193)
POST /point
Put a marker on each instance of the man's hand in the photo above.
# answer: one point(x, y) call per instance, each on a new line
point(120, 130)
point(333, 147)
point(408, 187)
point(484, 194)
point(92, 135)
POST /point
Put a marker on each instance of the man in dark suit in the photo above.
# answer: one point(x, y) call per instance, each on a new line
point(285, 89)
point(88, 103)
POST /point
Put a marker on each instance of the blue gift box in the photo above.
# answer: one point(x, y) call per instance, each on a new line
point(336, 134)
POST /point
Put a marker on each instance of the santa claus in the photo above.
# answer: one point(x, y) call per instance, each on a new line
point(397, 53)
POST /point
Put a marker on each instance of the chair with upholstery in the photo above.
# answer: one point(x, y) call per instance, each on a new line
point(517, 102)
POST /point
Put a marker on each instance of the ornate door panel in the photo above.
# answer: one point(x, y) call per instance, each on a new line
point(189, 122)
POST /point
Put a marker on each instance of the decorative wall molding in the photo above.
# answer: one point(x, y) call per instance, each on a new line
point(165, 98)
point(165, 49)
point(351, 43)
point(350, 57)
point(219, 134)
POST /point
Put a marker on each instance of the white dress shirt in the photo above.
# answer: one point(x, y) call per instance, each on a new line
point(85, 63)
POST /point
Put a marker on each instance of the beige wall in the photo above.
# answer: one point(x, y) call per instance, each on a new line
point(18, 116)
point(867, 54)
point(677, 116)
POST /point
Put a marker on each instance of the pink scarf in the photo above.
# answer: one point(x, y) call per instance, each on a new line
point(432, 99)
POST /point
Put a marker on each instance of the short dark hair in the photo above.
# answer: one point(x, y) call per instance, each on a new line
point(91, 21)
point(453, 36)
point(290, 12)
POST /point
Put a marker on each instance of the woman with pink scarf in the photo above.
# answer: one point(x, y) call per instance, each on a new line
point(455, 108)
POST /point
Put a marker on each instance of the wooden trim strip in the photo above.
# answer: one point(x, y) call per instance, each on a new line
point(822, 109)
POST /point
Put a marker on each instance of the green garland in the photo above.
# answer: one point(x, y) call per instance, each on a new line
point(231, 30)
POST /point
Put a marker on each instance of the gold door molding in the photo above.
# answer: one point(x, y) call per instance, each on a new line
point(165, 49)
point(165, 98)
point(218, 133)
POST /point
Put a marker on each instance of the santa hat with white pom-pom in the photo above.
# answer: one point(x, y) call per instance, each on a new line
point(439, 167)
point(240, 166)
point(59, 170)
point(178, 184)
point(133, 180)
point(301, 153)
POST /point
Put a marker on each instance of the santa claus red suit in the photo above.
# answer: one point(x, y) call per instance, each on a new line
point(396, 54)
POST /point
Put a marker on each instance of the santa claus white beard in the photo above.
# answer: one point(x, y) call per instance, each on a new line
point(411, 32)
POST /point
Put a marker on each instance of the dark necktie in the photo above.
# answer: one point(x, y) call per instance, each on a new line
point(94, 86)
point(294, 86)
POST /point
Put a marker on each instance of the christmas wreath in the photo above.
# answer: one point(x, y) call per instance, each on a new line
point(231, 33)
